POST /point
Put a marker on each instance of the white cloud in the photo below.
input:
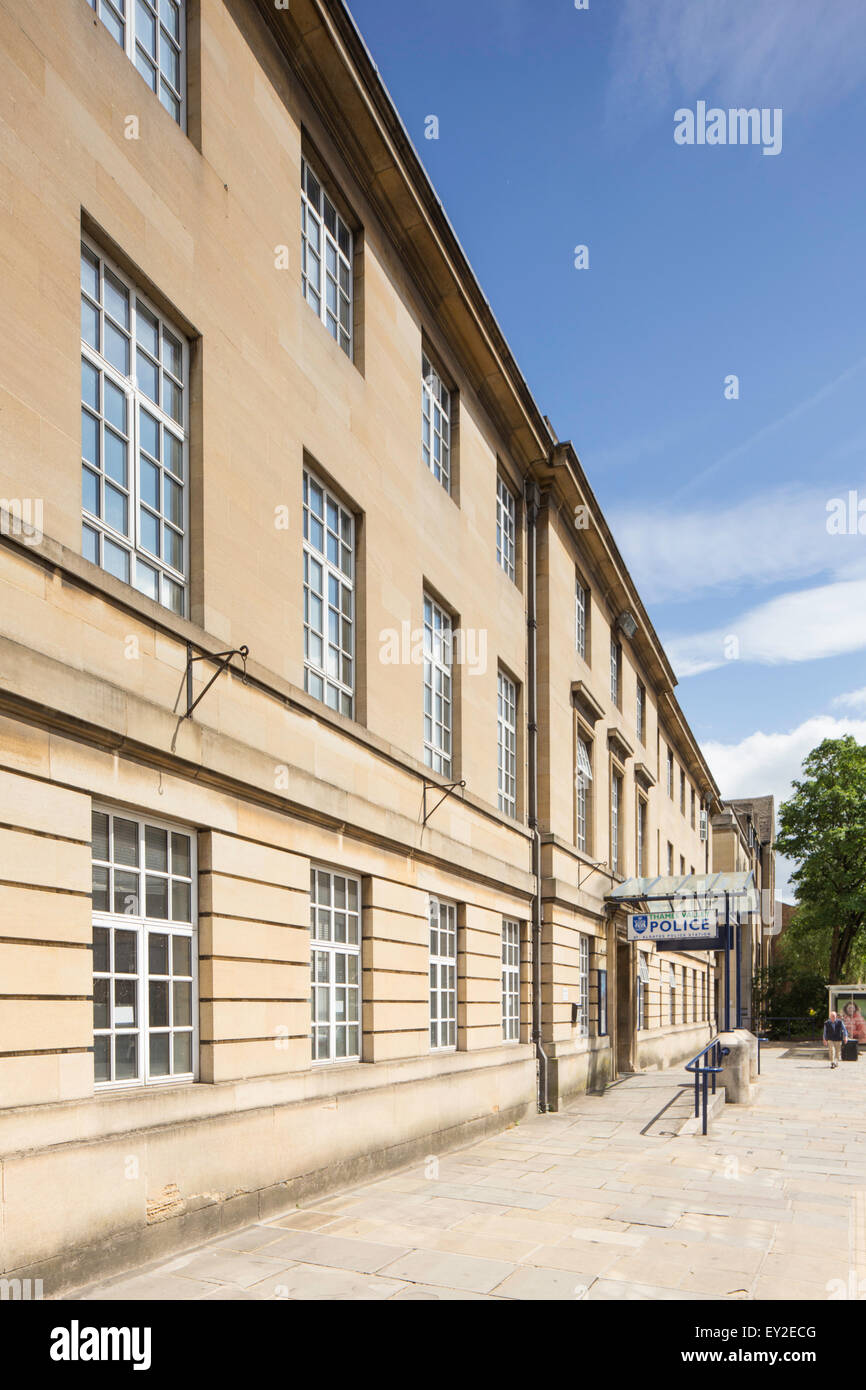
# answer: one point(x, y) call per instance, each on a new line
point(829, 620)
point(854, 699)
point(768, 763)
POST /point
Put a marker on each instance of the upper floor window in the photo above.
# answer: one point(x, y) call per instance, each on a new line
point(641, 836)
point(134, 435)
point(615, 822)
point(693, 809)
point(584, 793)
point(615, 670)
point(435, 423)
point(326, 259)
point(640, 711)
point(581, 605)
point(335, 966)
point(144, 951)
point(506, 720)
point(329, 598)
point(510, 980)
point(682, 793)
point(438, 705)
point(670, 769)
point(152, 33)
point(670, 858)
point(506, 527)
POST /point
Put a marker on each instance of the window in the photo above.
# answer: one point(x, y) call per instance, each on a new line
point(640, 711)
point(437, 687)
point(443, 974)
point(134, 433)
point(152, 33)
point(682, 866)
point(615, 821)
point(435, 424)
point(144, 958)
point(506, 528)
point(510, 980)
point(670, 774)
point(581, 613)
point(602, 1003)
point(335, 966)
point(584, 792)
point(583, 986)
point(672, 992)
point(615, 670)
point(693, 812)
point(641, 836)
point(670, 858)
point(642, 987)
point(326, 245)
point(329, 564)
point(682, 793)
point(506, 719)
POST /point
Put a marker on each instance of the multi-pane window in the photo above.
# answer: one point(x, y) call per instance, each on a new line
point(506, 527)
point(510, 980)
point(584, 792)
point(435, 423)
point(640, 711)
point(335, 966)
point(152, 33)
point(134, 373)
point(672, 992)
point(581, 599)
point(641, 836)
point(438, 706)
point(583, 986)
point(641, 1000)
point(326, 259)
point(329, 599)
point(693, 812)
point(615, 659)
point(670, 858)
point(682, 865)
point(443, 974)
point(670, 766)
point(506, 720)
point(602, 1003)
point(682, 793)
point(144, 958)
point(615, 821)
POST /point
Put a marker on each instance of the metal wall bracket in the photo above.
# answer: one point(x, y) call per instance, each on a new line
point(593, 869)
point(436, 787)
point(224, 658)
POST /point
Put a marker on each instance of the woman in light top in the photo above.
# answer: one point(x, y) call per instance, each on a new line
point(854, 1022)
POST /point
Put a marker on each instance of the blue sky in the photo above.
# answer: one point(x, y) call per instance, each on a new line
point(556, 130)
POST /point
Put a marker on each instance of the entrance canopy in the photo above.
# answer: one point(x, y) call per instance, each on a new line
point(679, 893)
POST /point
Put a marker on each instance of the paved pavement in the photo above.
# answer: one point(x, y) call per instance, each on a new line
point(601, 1201)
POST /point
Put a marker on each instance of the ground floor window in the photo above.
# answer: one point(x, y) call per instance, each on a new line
point(672, 992)
point(510, 980)
point(643, 977)
point(443, 974)
point(602, 1003)
point(145, 965)
point(583, 987)
point(335, 966)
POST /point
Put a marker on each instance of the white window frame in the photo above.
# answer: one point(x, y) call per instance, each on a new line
point(670, 774)
point(642, 808)
point(123, 21)
point(670, 859)
point(672, 993)
point(506, 727)
point(331, 996)
point(583, 986)
point(506, 528)
point(443, 975)
point(95, 525)
point(617, 783)
point(581, 596)
point(584, 793)
point(327, 259)
point(438, 688)
point(614, 670)
point(436, 423)
point(132, 919)
point(640, 998)
point(510, 980)
point(640, 711)
point(336, 525)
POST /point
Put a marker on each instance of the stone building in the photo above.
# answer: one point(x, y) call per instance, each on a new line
point(325, 730)
point(744, 835)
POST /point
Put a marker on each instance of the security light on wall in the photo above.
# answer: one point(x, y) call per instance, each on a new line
point(626, 624)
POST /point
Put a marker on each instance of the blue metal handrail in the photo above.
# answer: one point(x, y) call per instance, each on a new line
point(711, 1069)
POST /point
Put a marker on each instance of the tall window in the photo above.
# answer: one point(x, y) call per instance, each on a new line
point(602, 1003)
point(615, 822)
point(443, 974)
point(642, 977)
point(335, 966)
point(670, 774)
point(326, 259)
point(438, 705)
point(134, 432)
point(506, 528)
point(640, 711)
point(670, 858)
point(506, 720)
point(510, 980)
point(435, 424)
point(672, 992)
point(144, 957)
point(641, 836)
point(615, 670)
point(682, 793)
point(329, 600)
point(152, 33)
point(584, 793)
point(583, 986)
point(581, 601)
point(693, 812)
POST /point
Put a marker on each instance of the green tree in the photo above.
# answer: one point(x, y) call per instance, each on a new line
point(822, 827)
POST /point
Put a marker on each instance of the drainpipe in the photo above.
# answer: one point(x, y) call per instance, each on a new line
point(532, 501)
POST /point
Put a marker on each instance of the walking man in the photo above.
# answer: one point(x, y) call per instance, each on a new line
point(835, 1034)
